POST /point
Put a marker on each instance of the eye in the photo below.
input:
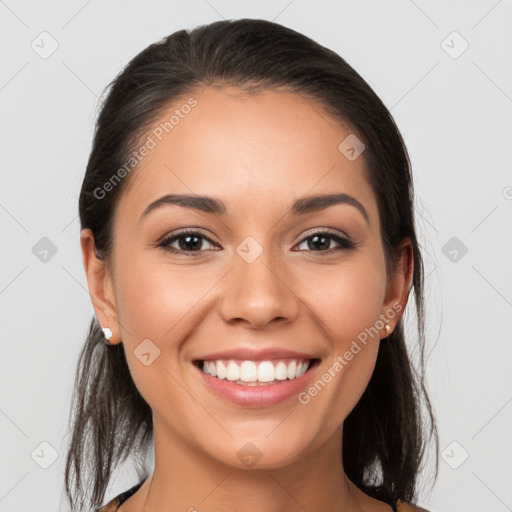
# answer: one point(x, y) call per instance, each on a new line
point(320, 241)
point(188, 242)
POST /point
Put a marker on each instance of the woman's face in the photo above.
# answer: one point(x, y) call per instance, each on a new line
point(256, 284)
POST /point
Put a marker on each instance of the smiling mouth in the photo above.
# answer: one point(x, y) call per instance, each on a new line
point(257, 373)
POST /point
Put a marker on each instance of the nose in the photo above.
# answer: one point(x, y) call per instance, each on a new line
point(258, 293)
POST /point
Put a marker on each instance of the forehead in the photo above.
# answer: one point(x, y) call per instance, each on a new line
point(257, 151)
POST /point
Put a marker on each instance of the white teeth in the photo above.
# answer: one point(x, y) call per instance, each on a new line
point(253, 371)
point(233, 371)
point(221, 370)
point(281, 371)
point(292, 370)
point(248, 371)
point(266, 372)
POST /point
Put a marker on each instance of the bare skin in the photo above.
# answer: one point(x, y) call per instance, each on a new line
point(258, 154)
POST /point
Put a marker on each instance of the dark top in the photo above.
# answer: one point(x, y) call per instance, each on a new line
point(115, 503)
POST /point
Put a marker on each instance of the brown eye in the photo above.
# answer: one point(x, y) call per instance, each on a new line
point(188, 241)
point(321, 242)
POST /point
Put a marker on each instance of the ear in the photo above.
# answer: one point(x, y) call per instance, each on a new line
point(399, 285)
point(100, 285)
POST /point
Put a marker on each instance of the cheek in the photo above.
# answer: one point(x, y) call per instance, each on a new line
point(346, 299)
point(160, 303)
point(156, 299)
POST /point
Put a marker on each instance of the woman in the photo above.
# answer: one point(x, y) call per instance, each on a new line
point(249, 244)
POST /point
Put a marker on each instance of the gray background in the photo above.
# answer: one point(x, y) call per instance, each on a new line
point(454, 111)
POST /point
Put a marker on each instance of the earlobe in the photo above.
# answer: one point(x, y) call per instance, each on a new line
point(101, 291)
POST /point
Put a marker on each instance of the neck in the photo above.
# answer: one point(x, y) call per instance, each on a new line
point(189, 480)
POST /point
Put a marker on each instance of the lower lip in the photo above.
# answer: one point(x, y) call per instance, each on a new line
point(262, 396)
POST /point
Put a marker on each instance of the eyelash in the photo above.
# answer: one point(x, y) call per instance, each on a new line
point(345, 244)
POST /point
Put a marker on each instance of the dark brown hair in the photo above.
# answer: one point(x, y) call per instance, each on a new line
point(385, 435)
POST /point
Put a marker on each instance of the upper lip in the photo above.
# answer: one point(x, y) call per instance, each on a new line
point(248, 354)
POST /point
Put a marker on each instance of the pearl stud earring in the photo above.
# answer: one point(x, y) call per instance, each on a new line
point(108, 334)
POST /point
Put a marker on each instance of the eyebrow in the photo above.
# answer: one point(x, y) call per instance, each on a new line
point(302, 206)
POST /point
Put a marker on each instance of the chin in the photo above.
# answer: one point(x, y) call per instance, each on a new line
point(260, 452)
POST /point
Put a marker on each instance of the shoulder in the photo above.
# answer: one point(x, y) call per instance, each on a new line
point(403, 506)
point(111, 506)
point(116, 502)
